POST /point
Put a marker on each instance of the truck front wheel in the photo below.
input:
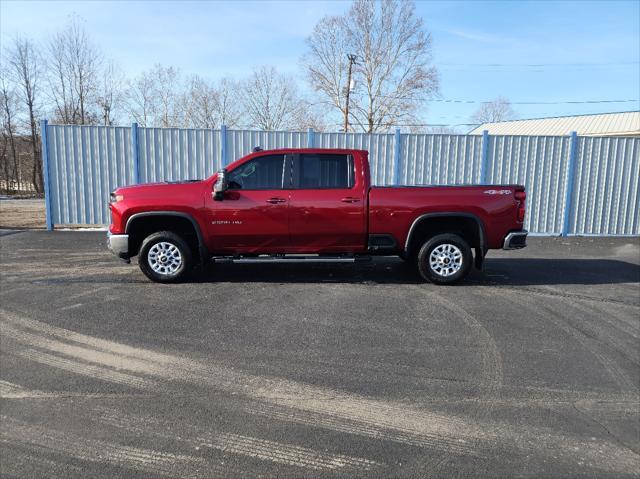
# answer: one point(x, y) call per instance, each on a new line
point(445, 259)
point(165, 257)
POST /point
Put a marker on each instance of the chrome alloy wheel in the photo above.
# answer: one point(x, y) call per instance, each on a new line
point(164, 258)
point(445, 259)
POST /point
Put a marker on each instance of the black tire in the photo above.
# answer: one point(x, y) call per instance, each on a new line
point(170, 276)
point(443, 272)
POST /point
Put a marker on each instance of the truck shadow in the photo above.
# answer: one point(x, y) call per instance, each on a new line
point(497, 271)
point(547, 271)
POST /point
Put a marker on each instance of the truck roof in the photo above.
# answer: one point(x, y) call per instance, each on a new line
point(311, 150)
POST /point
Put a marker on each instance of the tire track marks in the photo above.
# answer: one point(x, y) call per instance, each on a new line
point(491, 373)
point(552, 292)
point(331, 409)
point(563, 321)
point(16, 462)
point(11, 390)
point(327, 421)
point(198, 436)
point(281, 453)
point(619, 334)
point(93, 450)
point(489, 381)
point(84, 369)
point(383, 415)
point(103, 361)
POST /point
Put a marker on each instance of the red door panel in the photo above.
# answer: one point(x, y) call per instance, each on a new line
point(325, 221)
point(249, 222)
point(327, 204)
point(253, 216)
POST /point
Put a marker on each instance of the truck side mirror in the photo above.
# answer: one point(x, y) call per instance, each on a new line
point(221, 185)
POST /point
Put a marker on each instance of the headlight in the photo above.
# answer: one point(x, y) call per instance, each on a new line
point(113, 198)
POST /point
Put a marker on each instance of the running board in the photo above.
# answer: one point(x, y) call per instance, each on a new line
point(292, 259)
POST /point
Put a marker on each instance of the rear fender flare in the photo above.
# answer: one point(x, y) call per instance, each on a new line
point(453, 214)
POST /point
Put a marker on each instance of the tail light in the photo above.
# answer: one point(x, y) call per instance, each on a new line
point(521, 197)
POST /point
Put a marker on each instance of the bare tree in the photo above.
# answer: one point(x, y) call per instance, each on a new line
point(393, 77)
point(74, 66)
point(228, 104)
point(111, 96)
point(140, 101)
point(4, 158)
point(496, 110)
point(60, 87)
point(156, 97)
point(326, 62)
point(167, 91)
point(442, 130)
point(272, 101)
point(9, 105)
point(26, 70)
point(209, 105)
point(197, 103)
point(309, 117)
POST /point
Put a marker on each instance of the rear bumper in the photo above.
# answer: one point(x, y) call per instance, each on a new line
point(118, 245)
point(515, 240)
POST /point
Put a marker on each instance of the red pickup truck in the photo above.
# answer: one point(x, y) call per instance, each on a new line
point(300, 205)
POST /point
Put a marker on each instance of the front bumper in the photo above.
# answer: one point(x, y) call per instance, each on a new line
point(118, 245)
point(515, 240)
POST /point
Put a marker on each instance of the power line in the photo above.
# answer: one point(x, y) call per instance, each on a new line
point(566, 102)
point(543, 102)
point(480, 102)
point(536, 65)
point(398, 125)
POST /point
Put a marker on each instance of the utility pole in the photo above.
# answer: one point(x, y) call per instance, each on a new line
point(352, 60)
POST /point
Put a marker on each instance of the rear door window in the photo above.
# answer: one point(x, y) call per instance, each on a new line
point(323, 170)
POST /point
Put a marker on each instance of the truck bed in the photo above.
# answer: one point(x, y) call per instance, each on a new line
point(393, 209)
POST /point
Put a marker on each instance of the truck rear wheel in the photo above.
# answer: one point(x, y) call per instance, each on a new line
point(445, 259)
point(164, 257)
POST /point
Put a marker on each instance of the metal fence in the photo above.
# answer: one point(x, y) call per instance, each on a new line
point(575, 185)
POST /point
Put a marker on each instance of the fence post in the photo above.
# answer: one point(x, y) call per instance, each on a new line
point(310, 138)
point(135, 153)
point(396, 154)
point(484, 161)
point(45, 174)
point(223, 145)
point(571, 167)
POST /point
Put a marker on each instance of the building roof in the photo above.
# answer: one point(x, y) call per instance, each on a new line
point(605, 124)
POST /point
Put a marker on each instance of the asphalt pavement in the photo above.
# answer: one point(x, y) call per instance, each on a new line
point(528, 369)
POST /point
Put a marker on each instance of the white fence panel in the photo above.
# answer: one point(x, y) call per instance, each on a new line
point(606, 196)
point(172, 154)
point(540, 164)
point(440, 159)
point(381, 149)
point(242, 142)
point(87, 162)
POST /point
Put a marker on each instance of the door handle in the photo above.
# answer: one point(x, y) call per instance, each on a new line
point(275, 201)
point(350, 199)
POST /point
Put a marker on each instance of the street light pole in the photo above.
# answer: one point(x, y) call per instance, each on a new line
point(352, 60)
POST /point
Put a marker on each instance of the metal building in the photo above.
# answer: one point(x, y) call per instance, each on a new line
point(605, 124)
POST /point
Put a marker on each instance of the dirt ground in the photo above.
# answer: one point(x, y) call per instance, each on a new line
point(21, 214)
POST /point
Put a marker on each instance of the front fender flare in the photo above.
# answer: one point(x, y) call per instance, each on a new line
point(204, 252)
